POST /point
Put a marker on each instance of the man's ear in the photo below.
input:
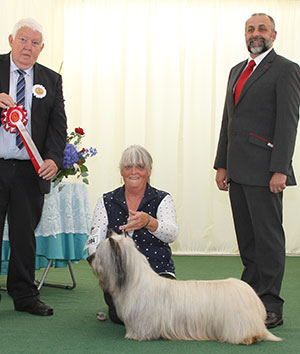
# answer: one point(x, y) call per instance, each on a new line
point(10, 39)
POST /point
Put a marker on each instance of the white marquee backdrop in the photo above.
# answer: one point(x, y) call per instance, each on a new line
point(154, 73)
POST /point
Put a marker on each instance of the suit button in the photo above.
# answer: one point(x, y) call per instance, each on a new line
point(233, 133)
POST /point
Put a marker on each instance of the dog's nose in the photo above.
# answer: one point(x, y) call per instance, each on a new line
point(90, 258)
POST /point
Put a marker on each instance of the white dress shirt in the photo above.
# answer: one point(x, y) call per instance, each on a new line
point(8, 148)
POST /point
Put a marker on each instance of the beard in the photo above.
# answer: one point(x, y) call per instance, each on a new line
point(262, 47)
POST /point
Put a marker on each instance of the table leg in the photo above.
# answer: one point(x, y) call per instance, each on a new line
point(42, 281)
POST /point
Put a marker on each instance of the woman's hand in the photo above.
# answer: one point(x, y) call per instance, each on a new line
point(139, 220)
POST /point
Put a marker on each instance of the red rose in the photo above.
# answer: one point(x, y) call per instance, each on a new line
point(79, 161)
point(79, 131)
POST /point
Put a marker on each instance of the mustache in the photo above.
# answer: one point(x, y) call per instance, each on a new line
point(254, 39)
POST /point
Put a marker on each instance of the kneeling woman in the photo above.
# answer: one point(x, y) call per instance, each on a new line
point(147, 214)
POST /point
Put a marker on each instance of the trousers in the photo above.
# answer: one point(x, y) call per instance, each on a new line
point(21, 203)
point(257, 215)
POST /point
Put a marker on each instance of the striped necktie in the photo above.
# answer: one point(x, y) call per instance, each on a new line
point(20, 100)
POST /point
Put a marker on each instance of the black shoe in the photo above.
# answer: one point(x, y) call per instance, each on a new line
point(36, 308)
point(273, 319)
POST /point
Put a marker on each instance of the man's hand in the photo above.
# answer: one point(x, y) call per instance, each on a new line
point(48, 169)
point(6, 101)
point(221, 179)
point(278, 182)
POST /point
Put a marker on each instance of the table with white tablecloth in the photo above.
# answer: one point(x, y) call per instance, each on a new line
point(63, 229)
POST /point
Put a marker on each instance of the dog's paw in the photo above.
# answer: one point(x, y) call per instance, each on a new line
point(101, 316)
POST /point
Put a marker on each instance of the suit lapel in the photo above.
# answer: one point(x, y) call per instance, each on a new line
point(35, 102)
point(258, 72)
point(236, 73)
point(4, 73)
point(37, 79)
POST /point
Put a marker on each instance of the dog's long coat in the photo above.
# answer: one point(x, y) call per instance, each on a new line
point(154, 307)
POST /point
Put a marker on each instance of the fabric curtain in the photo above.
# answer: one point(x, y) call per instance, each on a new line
point(154, 72)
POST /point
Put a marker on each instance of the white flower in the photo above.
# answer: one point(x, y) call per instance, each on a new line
point(39, 91)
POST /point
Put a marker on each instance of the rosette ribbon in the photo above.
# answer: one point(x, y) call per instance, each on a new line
point(15, 118)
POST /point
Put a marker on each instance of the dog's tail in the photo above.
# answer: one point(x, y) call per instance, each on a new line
point(270, 337)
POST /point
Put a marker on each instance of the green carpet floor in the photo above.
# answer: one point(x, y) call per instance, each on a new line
point(74, 328)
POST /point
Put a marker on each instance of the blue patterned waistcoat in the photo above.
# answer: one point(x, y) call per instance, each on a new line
point(157, 252)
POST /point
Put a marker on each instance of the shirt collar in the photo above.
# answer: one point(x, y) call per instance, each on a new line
point(260, 57)
point(13, 67)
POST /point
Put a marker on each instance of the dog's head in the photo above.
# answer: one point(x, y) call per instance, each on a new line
point(109, 262)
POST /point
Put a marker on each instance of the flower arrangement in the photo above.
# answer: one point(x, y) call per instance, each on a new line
point(74, 158)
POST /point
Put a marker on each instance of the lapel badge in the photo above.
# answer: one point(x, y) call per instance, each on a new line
point(39, 91)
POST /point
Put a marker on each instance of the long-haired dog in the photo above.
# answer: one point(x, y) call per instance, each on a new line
point(154, 307)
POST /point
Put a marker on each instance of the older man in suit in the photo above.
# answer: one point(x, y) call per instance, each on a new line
point(22, 189)
point(254, 158)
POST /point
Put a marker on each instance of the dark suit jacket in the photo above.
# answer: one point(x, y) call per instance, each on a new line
point(48, 119)
point(258, 135)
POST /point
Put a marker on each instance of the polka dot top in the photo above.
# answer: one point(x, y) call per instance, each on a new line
point(111, 211)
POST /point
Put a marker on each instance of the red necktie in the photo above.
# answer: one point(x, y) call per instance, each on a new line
point(241, 81)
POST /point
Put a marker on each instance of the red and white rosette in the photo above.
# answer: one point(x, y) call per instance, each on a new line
point(15, 118)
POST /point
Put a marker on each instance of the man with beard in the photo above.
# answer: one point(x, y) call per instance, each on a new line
point(254, 158)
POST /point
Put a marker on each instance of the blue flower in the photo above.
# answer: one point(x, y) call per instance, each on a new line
point(89, 152)
point(93, 151)
point(74, 161)
point(70, 156)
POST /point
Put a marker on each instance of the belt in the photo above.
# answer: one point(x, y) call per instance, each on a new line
point(13, 160)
